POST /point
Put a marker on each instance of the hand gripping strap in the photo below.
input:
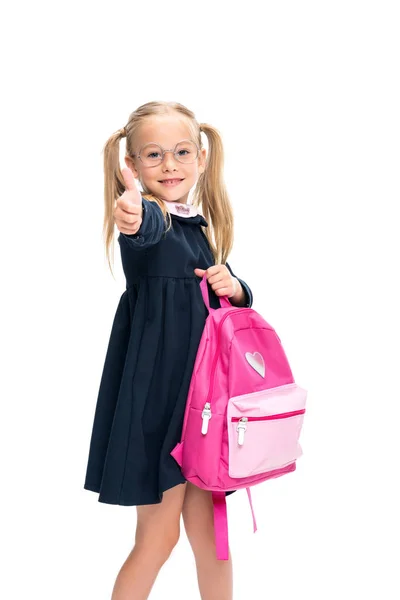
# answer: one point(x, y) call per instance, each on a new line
point(223, 300)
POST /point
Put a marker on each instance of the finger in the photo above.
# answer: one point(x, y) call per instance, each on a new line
point(223, 291)
point(221, 284)
point(133, 211)
point(124, 202)
point(214, 270)
point(126, 231)
point(218, 278)
point(120, 216)
point(129, 224)
point(200, 272)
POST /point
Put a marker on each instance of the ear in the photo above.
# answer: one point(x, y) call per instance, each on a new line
point(202, 160)
point(130, 163)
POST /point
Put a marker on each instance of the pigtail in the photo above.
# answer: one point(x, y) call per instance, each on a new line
point(211, 194)
point(113, 188)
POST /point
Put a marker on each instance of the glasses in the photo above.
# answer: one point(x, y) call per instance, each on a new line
point(152, 154)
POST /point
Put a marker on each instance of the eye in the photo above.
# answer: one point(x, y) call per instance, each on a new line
point(186, 152)
point(153, 154)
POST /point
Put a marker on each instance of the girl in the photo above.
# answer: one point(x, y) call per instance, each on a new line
point(166, 248)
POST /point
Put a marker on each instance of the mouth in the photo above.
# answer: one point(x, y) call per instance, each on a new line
point(170, 182)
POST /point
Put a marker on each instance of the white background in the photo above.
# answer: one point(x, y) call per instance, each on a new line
point(306, 97)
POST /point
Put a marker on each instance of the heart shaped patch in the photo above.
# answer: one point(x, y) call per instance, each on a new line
point(257, 362)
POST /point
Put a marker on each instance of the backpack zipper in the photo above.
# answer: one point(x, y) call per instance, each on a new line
point(285, 415)
point(242, 421)
point(241, 429)
point(206, 414)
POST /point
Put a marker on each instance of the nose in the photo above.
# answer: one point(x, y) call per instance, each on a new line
point(169, 161)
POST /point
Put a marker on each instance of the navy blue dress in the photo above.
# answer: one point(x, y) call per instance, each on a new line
point(149, 361)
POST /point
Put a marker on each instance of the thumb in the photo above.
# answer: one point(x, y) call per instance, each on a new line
point(132, 192)
point(200, 272)
point(129, 179)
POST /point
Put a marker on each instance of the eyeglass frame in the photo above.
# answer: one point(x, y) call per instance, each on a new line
point(164, 151)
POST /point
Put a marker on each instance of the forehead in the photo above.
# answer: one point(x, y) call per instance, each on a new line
point(165, 130)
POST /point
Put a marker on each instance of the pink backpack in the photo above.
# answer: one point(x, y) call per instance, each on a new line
point(244, 411)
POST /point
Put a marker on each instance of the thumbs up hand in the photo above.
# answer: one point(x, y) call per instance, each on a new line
point(128, 210)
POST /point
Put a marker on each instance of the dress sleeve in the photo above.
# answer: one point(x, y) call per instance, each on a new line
point(246, 289)
point(151, 229)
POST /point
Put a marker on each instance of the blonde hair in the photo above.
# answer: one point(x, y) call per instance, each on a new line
point(210, 195)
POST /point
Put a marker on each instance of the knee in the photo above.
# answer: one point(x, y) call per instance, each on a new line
point(168, 538)
point(159, 542)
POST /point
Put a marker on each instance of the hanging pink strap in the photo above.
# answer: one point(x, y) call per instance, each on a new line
point(223, 300)
point(221, 525)
point(252, 510)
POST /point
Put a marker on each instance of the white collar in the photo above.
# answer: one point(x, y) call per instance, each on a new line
point(182, 210)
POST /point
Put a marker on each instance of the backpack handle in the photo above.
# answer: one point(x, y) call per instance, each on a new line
point(223, 300)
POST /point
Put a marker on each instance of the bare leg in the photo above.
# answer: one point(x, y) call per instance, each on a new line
point(157, 532)
point(215, 576)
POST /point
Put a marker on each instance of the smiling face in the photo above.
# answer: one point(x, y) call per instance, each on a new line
point(166, 131)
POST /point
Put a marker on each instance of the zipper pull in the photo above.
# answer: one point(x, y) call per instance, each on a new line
point(206, 416)
point(241, 428)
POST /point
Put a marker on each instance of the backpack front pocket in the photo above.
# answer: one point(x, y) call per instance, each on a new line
point(264, 429)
